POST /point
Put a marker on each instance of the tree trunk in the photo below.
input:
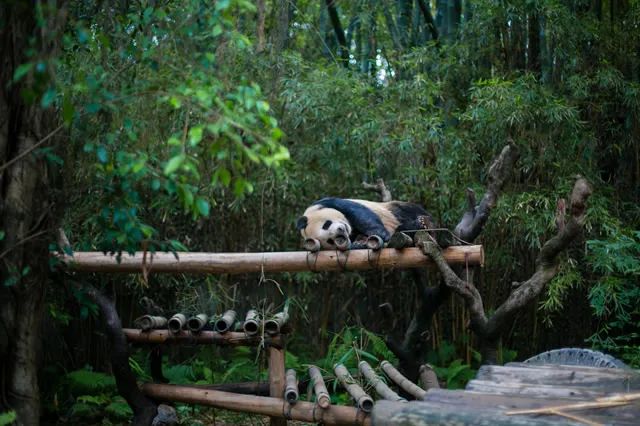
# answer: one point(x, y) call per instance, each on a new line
point(24, 209)
point(280, 34)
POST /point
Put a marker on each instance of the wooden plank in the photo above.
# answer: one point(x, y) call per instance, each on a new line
point(423, 413)
point(623, 415)
point(581, 368)
point(535, 391)
point(294, 261)
point(595, 378)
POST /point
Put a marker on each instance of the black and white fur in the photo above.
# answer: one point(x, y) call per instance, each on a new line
point(329, 218)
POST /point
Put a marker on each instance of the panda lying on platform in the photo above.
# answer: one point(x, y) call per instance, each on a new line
point(332, 221)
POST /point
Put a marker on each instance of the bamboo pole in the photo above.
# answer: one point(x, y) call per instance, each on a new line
point(197, 323)
point(295, 261)
point(363, 401)
point(381, 387)
point(150, 322)
point(225, 322)
point(276, 380)
point(319, 388)
point(267, 406)
point(273, 325)
point(407, 385)
point(251, 325)
point(428, 377)
point(177, 323)
point(291, 388)
point(203, 338)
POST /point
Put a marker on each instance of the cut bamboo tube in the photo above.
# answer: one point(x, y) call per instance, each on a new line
point(381, 387)
point(273, 325)
point(203, 338)
point(239, 263)
point(251, 324)
point(150, 322)
point(226, 321)
point(197, 323)
point(177, 323)
point(291, 388)
point(319, 388)
point(407, 385)
point(266, 406)
point(428, 377)
point(363, 401)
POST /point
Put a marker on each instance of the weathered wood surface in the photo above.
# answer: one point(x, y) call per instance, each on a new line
point(624, 415)
point(276, 380)
point(295, 261)
point(603, 379)
point(268, 406)
point(202, 338)
point(500, 389)
point(426, 413)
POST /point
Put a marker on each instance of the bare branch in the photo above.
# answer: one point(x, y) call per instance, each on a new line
point(474, 219)
point(380, 188)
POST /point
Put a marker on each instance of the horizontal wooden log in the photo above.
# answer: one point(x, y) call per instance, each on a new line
point(423, 413)
point(267, 406)
point(295, 261)
point(203, 338)
point(604, 379)
point(533, 390)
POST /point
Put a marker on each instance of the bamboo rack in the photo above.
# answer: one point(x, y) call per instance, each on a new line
point(295, 261)
point(231, 338)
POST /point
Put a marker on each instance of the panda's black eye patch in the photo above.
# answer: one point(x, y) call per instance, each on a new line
point(330, 241)
point(327, 225)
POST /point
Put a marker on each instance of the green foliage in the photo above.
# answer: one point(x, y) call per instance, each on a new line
point(352, 345)
point(7, 418)
point(89, 382)
point(454, 371)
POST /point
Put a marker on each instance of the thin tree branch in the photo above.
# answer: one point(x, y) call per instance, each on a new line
point(31, 148)
point(337, 28)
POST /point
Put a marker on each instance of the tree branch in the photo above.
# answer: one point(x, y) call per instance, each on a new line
point(337, 28)
point(474, 219)
point(380, 188)
point(428, 18)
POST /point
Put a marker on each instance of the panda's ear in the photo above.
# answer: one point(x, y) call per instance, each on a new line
point(301, 223)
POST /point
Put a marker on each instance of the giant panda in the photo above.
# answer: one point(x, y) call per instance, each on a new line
point(331, 218)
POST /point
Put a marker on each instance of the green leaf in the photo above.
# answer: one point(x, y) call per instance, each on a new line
point(101, 152)
point(195, 135)
point(203, 206)
point(173, 164)
point(7, 418)
point(2, 234)
point(48, 98)
point(155, 184)
point(21, 71)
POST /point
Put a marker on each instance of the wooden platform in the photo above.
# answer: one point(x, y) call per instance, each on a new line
point(496, 390)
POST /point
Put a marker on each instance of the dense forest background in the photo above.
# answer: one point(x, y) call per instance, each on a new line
point(211, 125)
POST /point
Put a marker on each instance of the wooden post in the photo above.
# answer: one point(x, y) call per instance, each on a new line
point(277, 380)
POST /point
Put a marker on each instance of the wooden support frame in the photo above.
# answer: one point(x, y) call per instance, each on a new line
point(277, 381)
point(295, 261)
point(268, 406)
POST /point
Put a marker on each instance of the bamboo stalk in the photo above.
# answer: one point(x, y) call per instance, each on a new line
point(381, 387)
point(407, 385)
point(197, 323)
point(225, 322)
point(273, 325)
point(177, 323)
point(251, 324)
point(276, 380)
point(428, 377)
point(150, 322)
point(291, 388)
point(267, 406)
point(203, 338)
point(363, 401)
point(296, 261)
point(319, 388)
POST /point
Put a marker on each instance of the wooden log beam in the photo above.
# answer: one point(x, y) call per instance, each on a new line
point(267, 406)
point(276, 381)
point(295, 261)
point(421, 413)
point(206, 337)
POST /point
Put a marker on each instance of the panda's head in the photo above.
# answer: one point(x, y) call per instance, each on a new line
point(325, 225)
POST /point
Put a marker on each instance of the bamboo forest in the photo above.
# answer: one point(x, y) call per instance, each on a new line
point(338, 212)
